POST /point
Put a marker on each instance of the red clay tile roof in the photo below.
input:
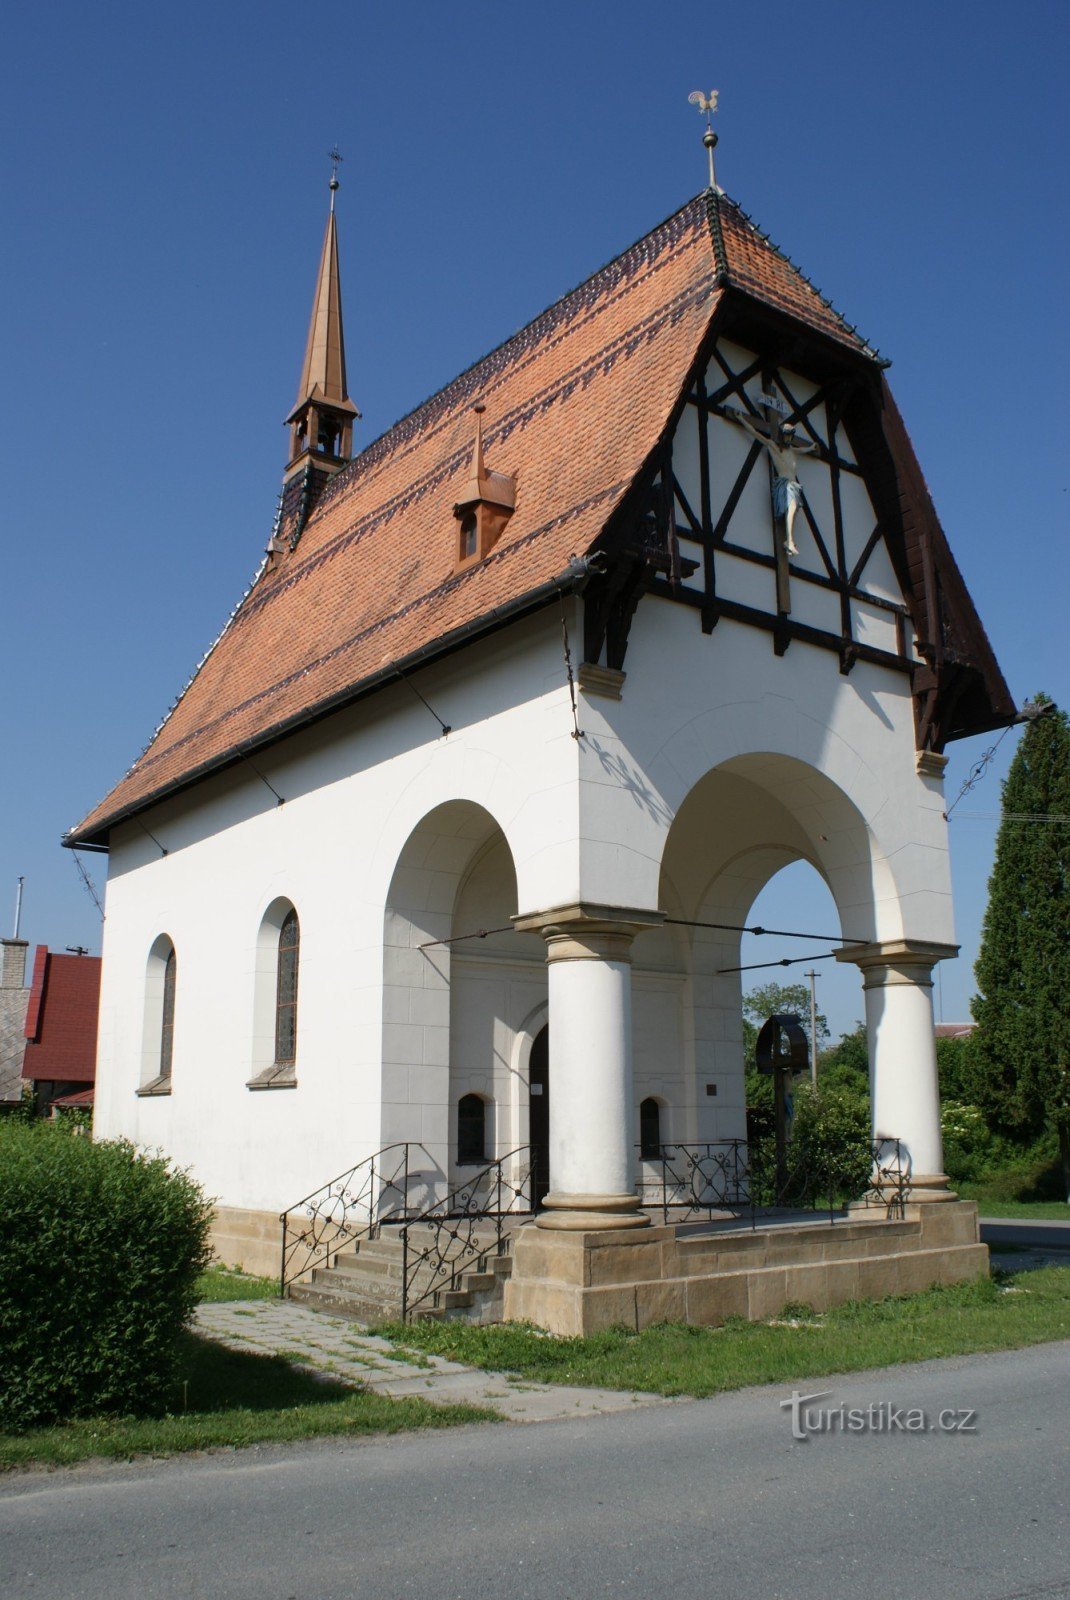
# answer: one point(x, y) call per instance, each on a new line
point(576, 403)
point(61, 1018)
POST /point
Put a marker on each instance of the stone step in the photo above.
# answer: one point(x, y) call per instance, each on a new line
point(364, 1281)
point(390, 1267)
point(360, 1306)
point(369, 1312)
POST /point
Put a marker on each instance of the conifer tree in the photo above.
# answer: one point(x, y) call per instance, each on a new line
point(1020, 1053)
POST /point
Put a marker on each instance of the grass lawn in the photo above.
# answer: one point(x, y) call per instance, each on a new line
point(228, 1399)
point(998, 1314)
point(1019, 1210)
point(223, 1283)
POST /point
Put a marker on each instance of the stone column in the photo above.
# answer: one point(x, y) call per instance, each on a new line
point(592, 1117)
point(905, 1096)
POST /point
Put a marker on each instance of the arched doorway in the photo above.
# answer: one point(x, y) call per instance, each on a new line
point(539, 1115)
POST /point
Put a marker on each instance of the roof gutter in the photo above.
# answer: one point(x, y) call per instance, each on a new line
point(572, 580)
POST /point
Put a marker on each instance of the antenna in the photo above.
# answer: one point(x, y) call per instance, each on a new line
point(708, 104)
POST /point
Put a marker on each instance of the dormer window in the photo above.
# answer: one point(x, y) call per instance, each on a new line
point(485, 506)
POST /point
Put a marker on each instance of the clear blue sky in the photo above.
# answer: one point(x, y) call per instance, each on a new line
point(163, 201)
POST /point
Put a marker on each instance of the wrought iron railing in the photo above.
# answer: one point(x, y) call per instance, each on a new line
point(746, 1180)
point(460, 1233)
point(349, 1207)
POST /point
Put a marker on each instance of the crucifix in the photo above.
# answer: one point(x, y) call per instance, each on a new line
point(784, 446)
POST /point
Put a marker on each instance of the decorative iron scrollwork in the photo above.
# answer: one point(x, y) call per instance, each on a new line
point(349, 1207)
point(740, 1178)
point(462, 1232)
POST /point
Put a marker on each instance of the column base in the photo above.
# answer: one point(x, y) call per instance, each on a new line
point(925, 1188)
point(590, 1212)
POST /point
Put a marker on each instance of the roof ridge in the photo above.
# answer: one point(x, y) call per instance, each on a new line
point(745, 216)
point(456, 383)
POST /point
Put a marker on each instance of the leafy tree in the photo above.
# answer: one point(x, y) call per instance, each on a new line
point(953, 1068)
point(1020, 1053)
point(769, 1000)
point(845, 1064)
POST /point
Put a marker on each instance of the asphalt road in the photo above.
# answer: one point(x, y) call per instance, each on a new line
point(1048, 1235)
point(703, 1498)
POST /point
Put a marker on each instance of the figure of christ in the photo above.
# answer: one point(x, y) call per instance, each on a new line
point(784, 449)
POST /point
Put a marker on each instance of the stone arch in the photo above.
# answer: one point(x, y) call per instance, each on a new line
point(445, 1006)
point(736, 828)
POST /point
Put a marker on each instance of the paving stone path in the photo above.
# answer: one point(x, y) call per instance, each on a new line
point(345, 1351)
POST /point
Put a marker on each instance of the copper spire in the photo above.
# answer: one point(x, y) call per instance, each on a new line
point(324, 371)
point(321, 423)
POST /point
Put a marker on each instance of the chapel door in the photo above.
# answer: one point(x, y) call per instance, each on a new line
point(539, 1122)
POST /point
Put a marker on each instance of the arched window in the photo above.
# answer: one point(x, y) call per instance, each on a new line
point(278, 956)
point(471, 1131)
point(167, 1024)
point(650, 1129)
point(286, 991)
point(158, 1026)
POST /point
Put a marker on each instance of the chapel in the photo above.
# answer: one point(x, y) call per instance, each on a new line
point(447, 846)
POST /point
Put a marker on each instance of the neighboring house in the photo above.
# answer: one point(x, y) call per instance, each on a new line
point(391, 871)
point(954, 1030)
point(14, 996)
point(60, 1041)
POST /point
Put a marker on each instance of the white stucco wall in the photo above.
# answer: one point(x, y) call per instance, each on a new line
point(721, 763)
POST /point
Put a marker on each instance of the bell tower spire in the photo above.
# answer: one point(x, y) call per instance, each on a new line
point(321, 423)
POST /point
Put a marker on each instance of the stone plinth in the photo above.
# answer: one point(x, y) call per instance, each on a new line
point(581, 1282)
point(251, 1240)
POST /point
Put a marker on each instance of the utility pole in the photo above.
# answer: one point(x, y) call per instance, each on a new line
point(812, 975)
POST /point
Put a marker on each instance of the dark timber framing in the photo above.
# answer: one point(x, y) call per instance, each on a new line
point(648, 560)
point(948, 675)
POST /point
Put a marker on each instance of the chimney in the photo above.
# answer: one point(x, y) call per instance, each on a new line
point(13, 963)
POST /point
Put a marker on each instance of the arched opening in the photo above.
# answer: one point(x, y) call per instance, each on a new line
point(286, 991)
point(158, 1024)
point(471, 1131)
point(649, 1129)
point(458, 985)
point(275, 998)
point(539, 1115)
point(738, 829)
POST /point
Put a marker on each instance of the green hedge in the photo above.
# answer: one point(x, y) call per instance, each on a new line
point(100, 1250)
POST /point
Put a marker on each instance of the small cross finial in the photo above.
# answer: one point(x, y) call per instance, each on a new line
point(334, 156)
point(708, 104)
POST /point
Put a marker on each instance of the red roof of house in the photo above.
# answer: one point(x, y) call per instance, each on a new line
point(74, 1102)
point(61, 1018)
point(576, 405)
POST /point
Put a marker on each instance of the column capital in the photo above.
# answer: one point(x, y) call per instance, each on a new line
point(584, 931)
point(897, 960)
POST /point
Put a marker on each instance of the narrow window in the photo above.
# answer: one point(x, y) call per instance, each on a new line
point(286, 991)
point(471, 1131)
point(167, 1025)
point(469, 539)
point(650, 1130)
